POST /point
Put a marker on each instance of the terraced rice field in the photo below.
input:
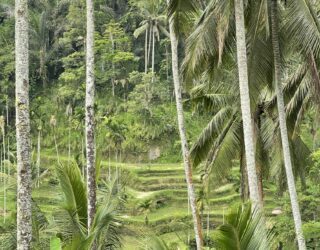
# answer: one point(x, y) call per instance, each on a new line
point(157, 201)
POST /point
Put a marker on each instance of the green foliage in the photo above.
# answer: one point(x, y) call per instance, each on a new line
point(55, 243)
point(243, 230)
point(105, 230)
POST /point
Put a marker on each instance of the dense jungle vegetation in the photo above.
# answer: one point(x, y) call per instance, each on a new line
point(153, 124)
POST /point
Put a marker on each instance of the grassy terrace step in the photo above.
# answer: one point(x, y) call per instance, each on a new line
point(224, 189)
point(168, 193)
point(171, 215)
point(227, 199)
point(172, 186)
point(159, 181)
point(159, 172)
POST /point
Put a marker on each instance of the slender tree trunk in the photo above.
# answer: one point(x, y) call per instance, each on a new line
point(258, 151)
point(153, 45)
point(4, 171)
point(146, 53)
point(82, 160)
point(208, 222)
point(38, 157)
point(1, 166)
point(150, 42)
point(8, 142)
point(7, 112)
point(8, 158)
point(90, 143)
point(112, 65)
point(43, 74)
point(245, 103)
point(109, 165)
point(283, 127)
point(69, 114)
point(56, 144)
point(244, 177)
point(167, 68)
point(24, 227)
point(8, 139)
point(183, 137)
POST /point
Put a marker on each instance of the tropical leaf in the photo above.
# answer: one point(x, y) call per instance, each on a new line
point(55, 243)
point(75, 193)
point(303, 26)
point(140, 30)
point(182, 12)
point(243, 229)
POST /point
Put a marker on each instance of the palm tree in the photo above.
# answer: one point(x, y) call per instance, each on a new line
point(152, 26)
point(222, 26)
point(90, 89)
point(243, 229)
point(72, 221)
point(183, 136)
point(24, 227)
point(245, 102)
point(40, 42)
point(283, 125)
point(3, 166)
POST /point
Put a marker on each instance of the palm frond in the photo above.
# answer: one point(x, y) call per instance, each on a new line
point(205, 140)
point(244, 229)
point(182, 13)
point(225, 149)
point(75, 193)
point(303, 26)
point(140, 30)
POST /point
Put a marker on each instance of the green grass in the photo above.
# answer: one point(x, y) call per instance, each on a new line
point(163, 183)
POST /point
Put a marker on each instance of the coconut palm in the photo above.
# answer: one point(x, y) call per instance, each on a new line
point(152, 26)
point(24, 227)
point(89, 107)
point(223, 28)
point(221, 141)
point(243, 229)
point(245, 101)
point(283, 123)
point(183, 136)
point(222, 24)
point(40, 42)
point(104, 231)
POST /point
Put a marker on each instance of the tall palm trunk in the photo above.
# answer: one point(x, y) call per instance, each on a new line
point(146, 53)
point(283, 126)
point(245, 103)
point(112, 63)
point(38, 156)
point(183, 137)
point(153, 49)
point(8, 140)
point(24, 227)
point(69, 141)
point(43, 73)
point(90, 144)
point(4, 171)
point(150, 41)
